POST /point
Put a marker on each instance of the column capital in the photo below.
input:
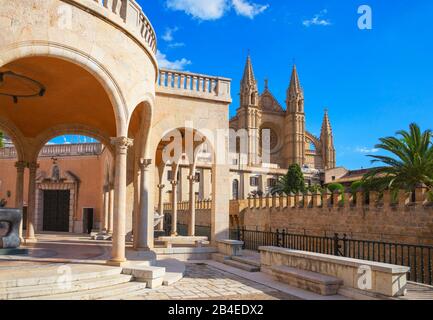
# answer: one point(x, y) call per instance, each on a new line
point(192, 178)
point(174, 182)
point(145, 163)
point(33, 166)
point(20, 165)
point(122, 143)
point(161, 186)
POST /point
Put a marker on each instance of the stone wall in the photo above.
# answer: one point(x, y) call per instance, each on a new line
point(408, 219)
point(380, 218)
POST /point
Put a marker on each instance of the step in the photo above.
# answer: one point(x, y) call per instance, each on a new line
point(54, 288)
point(153, 276)
point(174, 271)
point(105, 293)
point(242, 266)
point(129, 294)
point(312, 281)
point(50, 275)
point(250, 261)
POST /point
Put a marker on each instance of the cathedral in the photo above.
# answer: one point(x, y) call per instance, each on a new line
point(289, 141)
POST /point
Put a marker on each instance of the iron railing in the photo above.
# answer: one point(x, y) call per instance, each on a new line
point(417, 257)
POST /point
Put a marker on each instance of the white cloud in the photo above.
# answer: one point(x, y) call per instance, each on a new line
point(168, 35)
point(318, 20)
point(174, 65)
point(215, 9)
point(246, 9)
point(200, 9)
point(366, 150)
point(176, 45)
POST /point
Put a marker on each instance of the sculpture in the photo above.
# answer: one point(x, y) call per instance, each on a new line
point(11, 218)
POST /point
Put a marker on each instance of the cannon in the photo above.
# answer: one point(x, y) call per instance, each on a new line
point(10, 219)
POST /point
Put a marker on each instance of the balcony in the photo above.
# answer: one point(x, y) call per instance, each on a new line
point(194, 85)
point(131, 17)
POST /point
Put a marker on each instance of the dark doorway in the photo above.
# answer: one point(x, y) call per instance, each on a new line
point(56, 210)
point(87, 220)
point(167, 224)
point(24, 218)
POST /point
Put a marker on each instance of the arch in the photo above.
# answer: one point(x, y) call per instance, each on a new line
point(315, 141)
point(105, 78)
point(140, 122)
point(75, 129)
point(16, 136)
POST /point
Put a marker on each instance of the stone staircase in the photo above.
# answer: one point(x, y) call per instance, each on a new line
point(88, 282)
point(243, 263)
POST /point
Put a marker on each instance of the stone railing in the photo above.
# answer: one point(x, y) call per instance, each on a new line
point(197, 85)
point(59, 150)
point(184, 205)
point(8, 153)
point(340, 199)
point(71, 149)
point(133, 16)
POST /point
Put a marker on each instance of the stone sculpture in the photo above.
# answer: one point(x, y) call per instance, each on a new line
point(11, 218)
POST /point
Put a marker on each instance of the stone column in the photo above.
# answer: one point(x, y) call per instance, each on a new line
point(110, 209)
point(173, 208)
point(119, 219)
point(191, 226)
point(161, 206)
point(146, 216)
point(220, 202)
point(19, 192)
point(31, 208)
point(105, 208)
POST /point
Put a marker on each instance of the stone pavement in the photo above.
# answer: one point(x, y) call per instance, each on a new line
point(205, 282)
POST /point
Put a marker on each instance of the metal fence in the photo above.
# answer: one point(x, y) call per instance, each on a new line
point(417, 257)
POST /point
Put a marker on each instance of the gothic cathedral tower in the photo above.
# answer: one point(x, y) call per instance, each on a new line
point(327, 139)
point(249, 113)
point(295, 122)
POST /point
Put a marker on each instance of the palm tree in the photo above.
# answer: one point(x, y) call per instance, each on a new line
point(293, 181)
point(1, 139)
point(410, 162)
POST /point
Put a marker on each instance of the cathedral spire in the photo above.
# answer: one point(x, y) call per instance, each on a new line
point(248, 77)
point(295, 85)
point(327, 139)
point(249, 89)
point(326, 125)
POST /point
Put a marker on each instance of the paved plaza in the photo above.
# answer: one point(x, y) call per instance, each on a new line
point(204, 282)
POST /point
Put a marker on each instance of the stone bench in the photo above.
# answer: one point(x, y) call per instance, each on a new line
point(361, 276)
point(307, 280)
point(180, 240)
point(231, 248)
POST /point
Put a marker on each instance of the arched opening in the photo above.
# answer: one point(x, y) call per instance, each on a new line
point(8, 159)
point(73, 182)
point(183, 160)
point(72, 95)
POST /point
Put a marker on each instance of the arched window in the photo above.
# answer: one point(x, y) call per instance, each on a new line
point(235, 189)
point(253, 98)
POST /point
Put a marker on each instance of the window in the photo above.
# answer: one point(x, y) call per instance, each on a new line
point(272, 182)
point(333, 178)
point(169, 175)
point(254, 181)
point(235, 190)
point(197, 176)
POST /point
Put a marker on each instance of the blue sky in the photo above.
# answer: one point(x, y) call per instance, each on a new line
point(374, 82)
